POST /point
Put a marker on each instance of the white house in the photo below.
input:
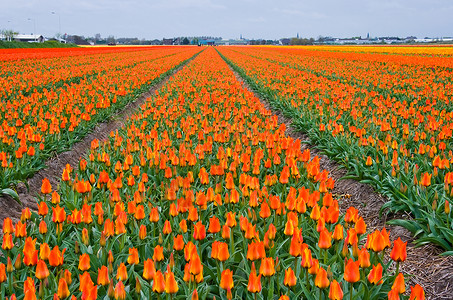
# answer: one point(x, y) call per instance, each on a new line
point(31, 38)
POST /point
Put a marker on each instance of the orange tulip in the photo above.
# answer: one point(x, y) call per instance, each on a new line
point(63, 290)
point(325, 239)
point(399, 284)
point(159, 282)
point(199, 231)
point(84, 262)
point(214, 225)
point(149, 270)
point(195, 265)
point(183, 225)
point(167, 227)
point(351, 271)
point(3, 277)
point(290, 279)
point(226, 280)
point(46, 188)
point(417, 293)
point(30, 253)
point(364, 258)
point(41, 270)
point(42, 227)
point(178, 243)
point(58, 215)
point(171, 286)
point(226, 232)
point(142, 232)
point(223, 254)
point(321, 280)
point(120, 291)
point(254, 284)
point(158, 254)
point(426, 179)
point(103, 276)
point(335, 291)
point(398, 253)
point(393, 295)
point(360, 226)
point(375, 275)
point(267, 267)
point(133, 258)
point(43, 210)
point(8, 226)
point(7, 242)
point(29, 289)
point(86, 283)
point(121, 274)
point(194, 295)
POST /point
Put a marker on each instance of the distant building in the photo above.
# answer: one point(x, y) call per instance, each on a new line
point(207, 42)
point(285, 42)
point(31, 38)
point(167, 42)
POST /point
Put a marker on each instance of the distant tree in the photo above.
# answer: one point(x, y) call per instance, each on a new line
point(111, 39)
point(185, 41)
point(296, 41)
point(9, 34)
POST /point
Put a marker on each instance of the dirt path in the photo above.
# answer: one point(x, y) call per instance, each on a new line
point(54, 167)
point(423, 265)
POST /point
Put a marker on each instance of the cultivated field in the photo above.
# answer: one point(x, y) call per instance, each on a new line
point(209, 185)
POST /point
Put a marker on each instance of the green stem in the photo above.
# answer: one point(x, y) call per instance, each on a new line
point(350, 291)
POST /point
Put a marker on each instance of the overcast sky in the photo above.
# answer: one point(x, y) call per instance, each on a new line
point(155, 19)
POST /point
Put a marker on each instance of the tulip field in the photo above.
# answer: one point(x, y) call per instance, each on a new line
point(49, 103)
point(387, 117)
point(202, 194)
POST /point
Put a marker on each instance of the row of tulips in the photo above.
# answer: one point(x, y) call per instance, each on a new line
point(399, 143)
point(33, 75)
point(201, 194)
point(35, 125)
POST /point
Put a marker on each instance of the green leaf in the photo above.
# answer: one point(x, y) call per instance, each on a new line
point(12, 193)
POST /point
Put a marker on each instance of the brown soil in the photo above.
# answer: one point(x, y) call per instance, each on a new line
point(424, 265)
point(54, 167)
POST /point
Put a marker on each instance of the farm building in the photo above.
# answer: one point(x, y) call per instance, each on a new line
point(31, 38)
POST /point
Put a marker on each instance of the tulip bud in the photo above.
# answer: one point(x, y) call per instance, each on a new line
point(9, 266)
point(102, 240)
point(110, 267)
point(68, 277)
point(355, 250)
point(447, 207)
point(101, 219)
point(17, 263)
point(85, 237)
point(329, 273)
point(138, 286)
point(344, 251)
point(172, 261)
point(142, 232)
point(42, 227)
point(161, 240)
point(76, 247)
point(111, 290)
